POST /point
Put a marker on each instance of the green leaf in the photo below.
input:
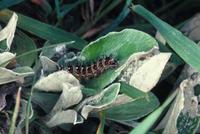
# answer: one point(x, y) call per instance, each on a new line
point(119, 45)
point(44, 31)
point(140, 105)
point(174, 58)
point(131, 91)
point(45, 100)
point(149, 121)
point(108, 95)
point(184, 47)
point(101, 100)
point(89, 91)
point(22, 44)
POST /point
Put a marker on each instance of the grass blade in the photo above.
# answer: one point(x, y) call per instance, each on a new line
point(119, 19)
point(16, 111)
point(44, 31)
point(107, 10)
point(68, 7)
point(8, 3)
point(28, 111)
point(184, 47)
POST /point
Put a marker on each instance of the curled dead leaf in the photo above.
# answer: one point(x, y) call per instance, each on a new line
point(18, 75)
point(185, 108)
point(143, 70)
point(68, 116)
point(69, 97)
point(8, 32)
point(54, 82)
point(48, 65)
point(6, 56)
point(147, 76)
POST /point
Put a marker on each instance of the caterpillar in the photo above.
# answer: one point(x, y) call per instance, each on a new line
point(93, 70)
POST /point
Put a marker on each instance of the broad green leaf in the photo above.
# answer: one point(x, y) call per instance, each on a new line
point(101, 100)
point(88, 91)
point(149, 121)
point(119, 45)
point(22, 44)
point(45, 100)
point(44, 31)
point(132, 91)
point(184, 47)
point(139, 105)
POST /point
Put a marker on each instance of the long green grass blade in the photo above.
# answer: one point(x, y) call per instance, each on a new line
point(107, 10)
point(7, 3)
point(68, 7)
point(119, 19)
point(184, 47)
point(44, 31)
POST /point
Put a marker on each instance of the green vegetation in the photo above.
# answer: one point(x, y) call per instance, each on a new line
point(104, 67)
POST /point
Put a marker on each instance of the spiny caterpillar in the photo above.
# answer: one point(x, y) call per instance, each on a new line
point(93, 70)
